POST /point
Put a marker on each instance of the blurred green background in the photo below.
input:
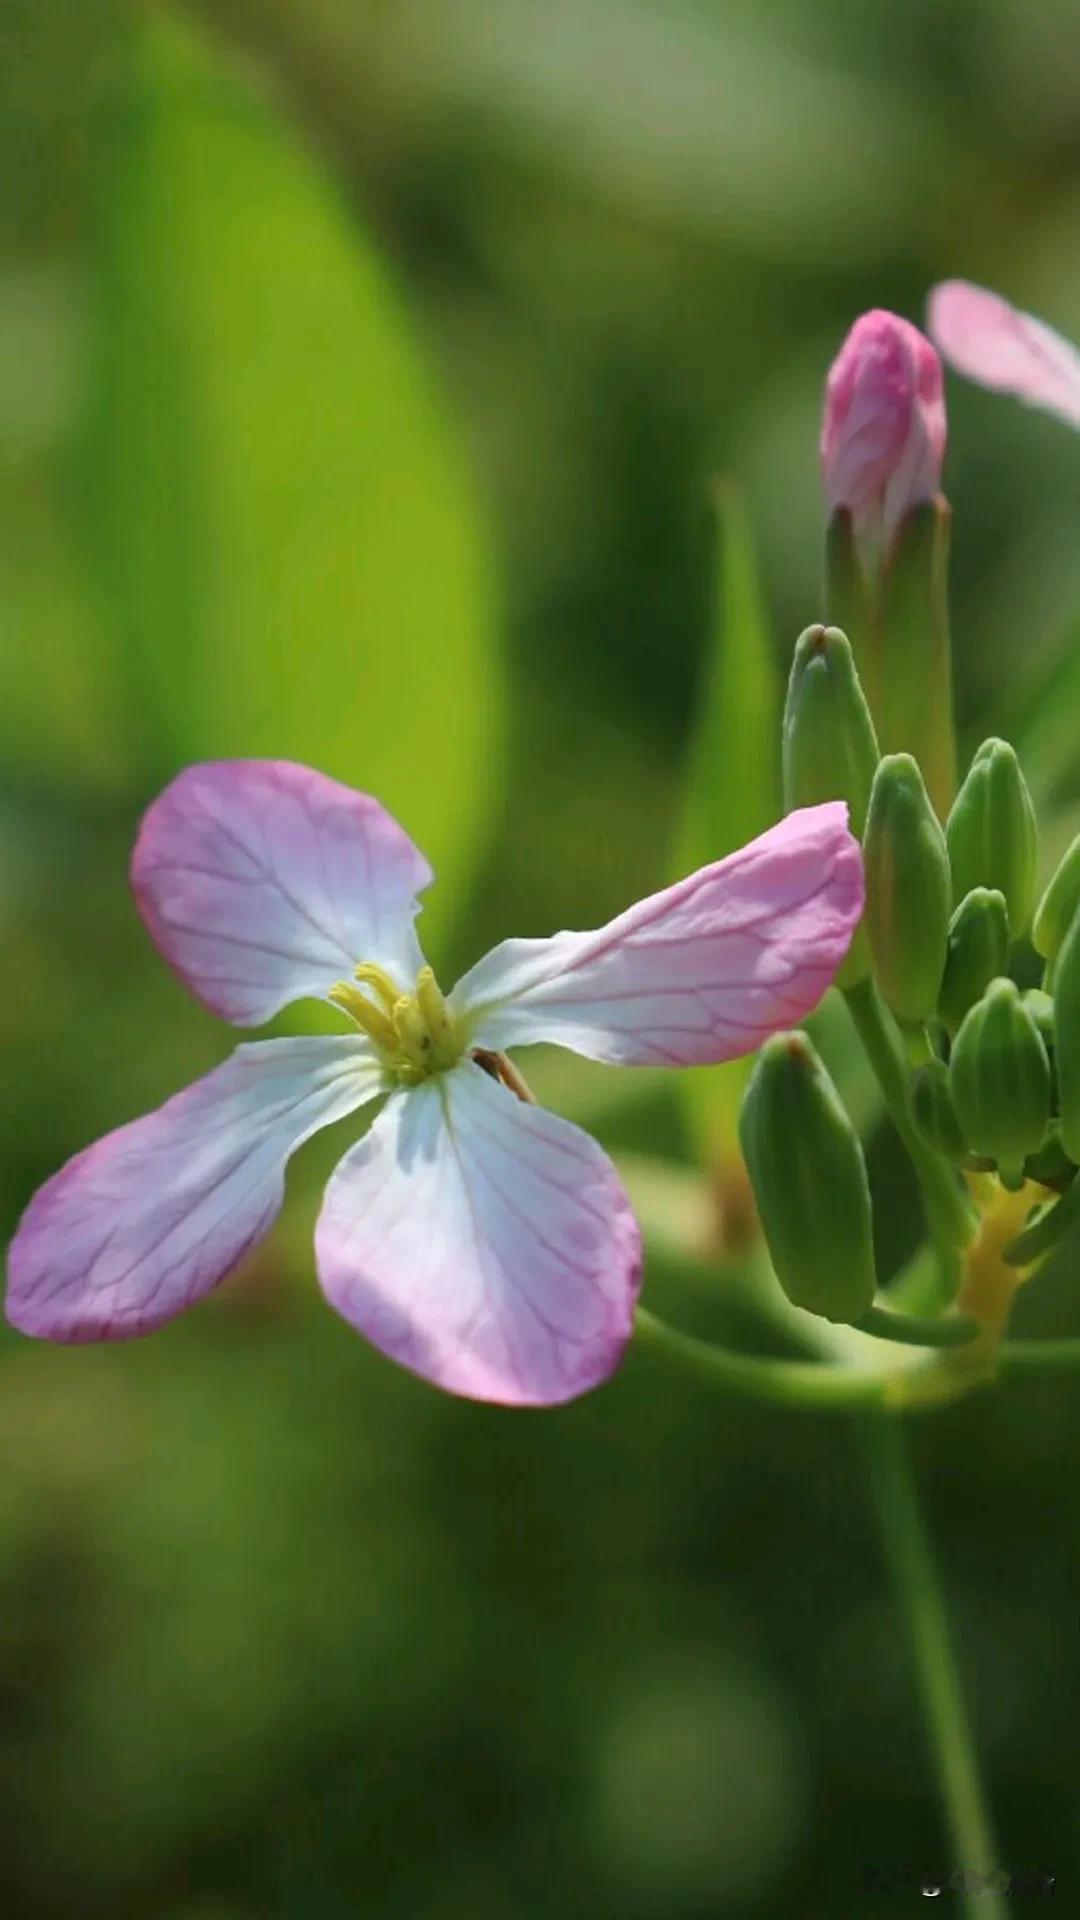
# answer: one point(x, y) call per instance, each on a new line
point(364, 366)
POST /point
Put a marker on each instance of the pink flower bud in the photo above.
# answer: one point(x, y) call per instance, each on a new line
point(883, 430)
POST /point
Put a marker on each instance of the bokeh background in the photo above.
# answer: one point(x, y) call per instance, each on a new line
point(365, 366)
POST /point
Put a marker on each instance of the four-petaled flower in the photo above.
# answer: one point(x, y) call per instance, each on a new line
point(883, 428)
point(1000, 347)
point(473, 1237)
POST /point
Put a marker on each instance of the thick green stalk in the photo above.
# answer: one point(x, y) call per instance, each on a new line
point(948, 1213)
point(809, 1384)
point(1019, 1357)
point(917, 1330)
point(922, 1602)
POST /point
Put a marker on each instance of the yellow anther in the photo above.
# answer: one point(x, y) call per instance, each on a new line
point(367, 1015)
point(431, 1003)
point(412, 1031)
point(344, 995)
point(415, 1033)
point(387, 989)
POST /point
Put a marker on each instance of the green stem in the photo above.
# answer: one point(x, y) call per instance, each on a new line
point(1038, 1356)
point(917, 1046)
point(913, 1330)
point(947, 1211)
point(922, 1603)
point(791, 1383)
point(1048, 1228)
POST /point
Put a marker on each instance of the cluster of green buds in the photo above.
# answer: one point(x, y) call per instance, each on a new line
point(962, 987)
point(981, 1068)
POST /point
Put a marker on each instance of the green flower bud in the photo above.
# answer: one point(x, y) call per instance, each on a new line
point(999, 1078)
point(1058, 906)
point(809, 1179)
point(907, 889)
point(1040, 1005)
point(993, 834)
point(1067, 1037)
point(978, 951)
point(830, 750)
point(935, 1113)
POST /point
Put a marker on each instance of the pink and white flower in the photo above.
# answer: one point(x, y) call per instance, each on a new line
point(883, 428)
point(478, 1240)
point(998, 346)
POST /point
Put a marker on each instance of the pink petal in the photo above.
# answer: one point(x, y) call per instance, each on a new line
point(149, 1219)
point(703, 971)
point(262, 881)
point(883, 428)
point(484, 1244)
point(1000, 347)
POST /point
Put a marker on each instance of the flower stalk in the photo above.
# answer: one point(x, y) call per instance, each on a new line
point(949, 1214)
point(921, 1602)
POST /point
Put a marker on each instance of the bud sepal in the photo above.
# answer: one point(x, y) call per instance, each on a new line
point(907, 890)
point(830, 749)
point(999, 1078)
point(809, 1178)
point(977, 952)
point(992, 833)
point(1058, 907)
point(1067, 1038)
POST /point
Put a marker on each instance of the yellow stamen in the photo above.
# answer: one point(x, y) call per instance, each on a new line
point(387, 989)
point(414, 1033)
point(367, 1015)
point(431, 1002)
point(411, 1030)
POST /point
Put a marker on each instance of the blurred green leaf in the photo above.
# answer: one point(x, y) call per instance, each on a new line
point(1044, 731)
point(58, 721)
point(280, 525)
point(732, 789)
point(732, 784)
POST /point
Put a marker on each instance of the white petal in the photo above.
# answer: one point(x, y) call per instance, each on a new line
point(483, 1243)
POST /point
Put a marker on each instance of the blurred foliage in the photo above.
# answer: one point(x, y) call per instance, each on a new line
point(283, 552)
point(731, 783)
point(364, 369)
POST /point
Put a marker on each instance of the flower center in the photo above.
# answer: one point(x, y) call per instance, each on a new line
point(414, 1034)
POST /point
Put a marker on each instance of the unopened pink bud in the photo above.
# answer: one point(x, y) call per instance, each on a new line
point(883, 430)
